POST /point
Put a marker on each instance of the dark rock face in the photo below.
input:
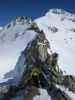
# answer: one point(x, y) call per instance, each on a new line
point(53, 29)
point(58, 11)
point(38, 48)
point(24, 19)
point(69, 82)
point(57, 94)
point(43, 67)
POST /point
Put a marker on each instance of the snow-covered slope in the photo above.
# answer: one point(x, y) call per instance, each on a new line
point(59, 27)
point(13, 39)
point(43, 95)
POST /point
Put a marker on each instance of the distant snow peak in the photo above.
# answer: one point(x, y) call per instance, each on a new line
point(62, 14)
point(57, 11)
point(23, 19)
point(19, 20)
point(59, 28)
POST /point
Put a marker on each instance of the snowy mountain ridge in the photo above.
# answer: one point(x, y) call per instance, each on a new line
point(59, 28)
point(17, 27)
point(60, 31)
point(13, 40)
point(61, 13)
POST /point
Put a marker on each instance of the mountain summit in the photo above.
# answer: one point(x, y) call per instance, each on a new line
point(60, 31)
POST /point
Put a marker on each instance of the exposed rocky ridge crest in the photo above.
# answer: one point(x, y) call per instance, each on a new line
point(41, 71)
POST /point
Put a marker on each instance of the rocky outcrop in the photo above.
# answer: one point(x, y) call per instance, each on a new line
point(23, 19)
point(69, 82)
point(57, 94)
point(41, 70)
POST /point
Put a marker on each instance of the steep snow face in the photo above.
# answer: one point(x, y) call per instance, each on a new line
point(14, 29)
point(59, 28)
point(13, 40)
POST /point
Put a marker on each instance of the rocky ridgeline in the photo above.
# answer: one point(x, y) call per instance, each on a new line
point(19, 20)
point(41, 71)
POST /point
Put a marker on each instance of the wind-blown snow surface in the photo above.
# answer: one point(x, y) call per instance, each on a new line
point(59, 28)
point(13, 41)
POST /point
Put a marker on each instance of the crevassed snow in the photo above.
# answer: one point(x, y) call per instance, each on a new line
point(43, 95)
point(61, 37)
point(11, 48)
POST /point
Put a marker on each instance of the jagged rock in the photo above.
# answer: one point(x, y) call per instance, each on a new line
point(37, 57)
point(69, 82)
point(73, 29)
point(41, 70)
point(31, 92)
point(34, 27)
point(37, 50)
point(53, 29)
point(57, 94)
point(58, 11)
point(8, 26)
point(4, 89)
point(23, 18)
